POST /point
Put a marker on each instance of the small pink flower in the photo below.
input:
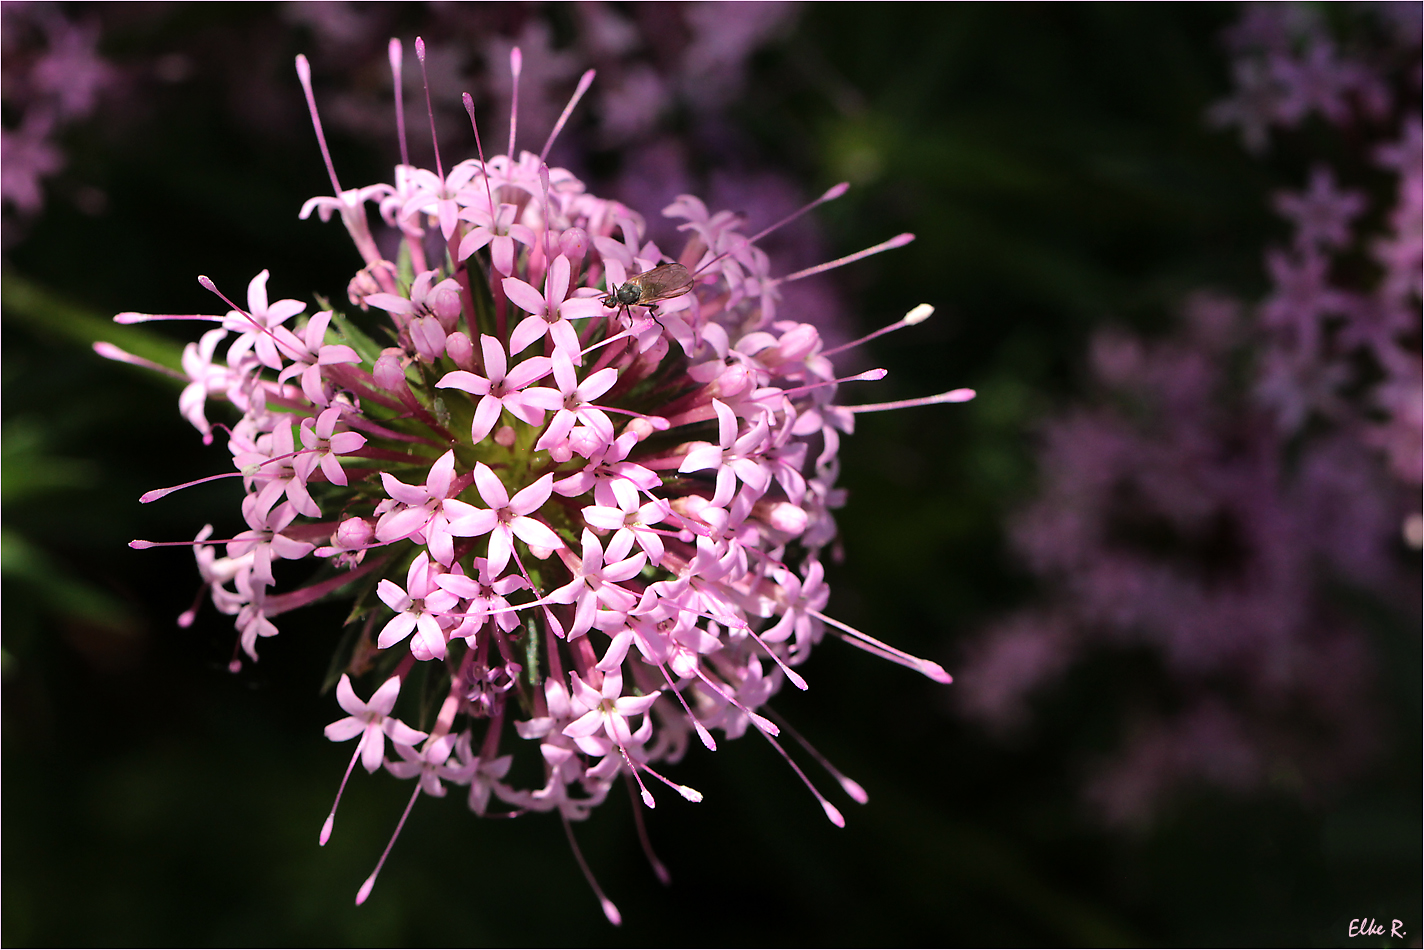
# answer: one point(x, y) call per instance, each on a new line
point(372, 721)
point(513, 516)
point(421, 607)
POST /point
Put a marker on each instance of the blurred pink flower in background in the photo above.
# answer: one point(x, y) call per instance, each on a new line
point(1231, 476)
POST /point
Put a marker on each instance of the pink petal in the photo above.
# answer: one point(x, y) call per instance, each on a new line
point(585, 725)
point(490, 487)
point(701, 457)
point(461, 379)
point(599, 516)
point(502, 254)
point(557, 281)
point(392, 594)
point(535, 367)
point(473, 241)
point(533, 496)
point(525, 297)
point(346, 697)
point(495, 363)
point(501, 546)
point(403, 493)
point(383, 700)
point(397, 630)
point(441, 474)
point(344, 729)
point(395, 525)
point(486, 415)
point(531, 328)
point(598, 384)
point(402, 733)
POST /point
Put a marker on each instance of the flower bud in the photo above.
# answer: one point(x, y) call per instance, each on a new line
point(573, 244)
point(361, 287)
point(388, 371)
point(444, 302)
point(428, 338)
point(459, 348)
point(353, 533)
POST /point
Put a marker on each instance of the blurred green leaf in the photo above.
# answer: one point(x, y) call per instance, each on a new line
point(49, 314)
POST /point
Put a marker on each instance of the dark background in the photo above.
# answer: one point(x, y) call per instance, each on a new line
point(1055, 165)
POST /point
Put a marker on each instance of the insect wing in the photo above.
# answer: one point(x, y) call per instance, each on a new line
point(662, 283)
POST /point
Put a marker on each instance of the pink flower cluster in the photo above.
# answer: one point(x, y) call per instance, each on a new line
point(53, 76)
point(1211, 521)
point(600, 522)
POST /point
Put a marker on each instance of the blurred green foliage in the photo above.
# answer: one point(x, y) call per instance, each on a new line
point(1054, 164)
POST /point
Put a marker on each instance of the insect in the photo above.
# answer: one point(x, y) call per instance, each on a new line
point(643, 290)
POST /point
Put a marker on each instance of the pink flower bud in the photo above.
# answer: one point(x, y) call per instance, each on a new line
point(428, 338)
point(353, 533)
point(361, 287)
point(798, 342)
point(444, 302)
point(782, 515)
point(505, 436)
point(732, 382)
point(640, 426)
point(388, 372)
point(459, 348)
point(573, 244)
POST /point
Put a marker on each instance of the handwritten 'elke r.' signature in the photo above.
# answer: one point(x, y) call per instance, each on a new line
point(1369, 927)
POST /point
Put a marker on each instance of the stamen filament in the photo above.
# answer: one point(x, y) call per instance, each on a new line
point(831, 194)
point(954, 395)
point(331, 818)
point(659, 868)
point(111, 352)
point(584, 82)
point(516, 66)
point(304, 76)
point(430, 110)
point(928, 667)
point(919, 314)
point(610, 910)
point(899, 240)
point(396, 52)
point(365, 890)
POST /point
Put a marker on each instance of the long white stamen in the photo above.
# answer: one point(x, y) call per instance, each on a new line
point(954, 395)
point(610, 910)
point(128, 317)
point(659, 868)
point(687, 792)
point(702, 732)
point(761, 722)
point(584, 82)
point(430, 110)
point(918, 315)
point(516, 66)
point(304, 76)
point(331, 818)
point(870, 375)
point(832, 812)
point(866, 642)
point(365, 890)
point(831, 194)
point(396, 52)
point(851, 786)
point(158, 493)
point(469, 102)
point(899, 240)
point(111, 352)
point(207, 284)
